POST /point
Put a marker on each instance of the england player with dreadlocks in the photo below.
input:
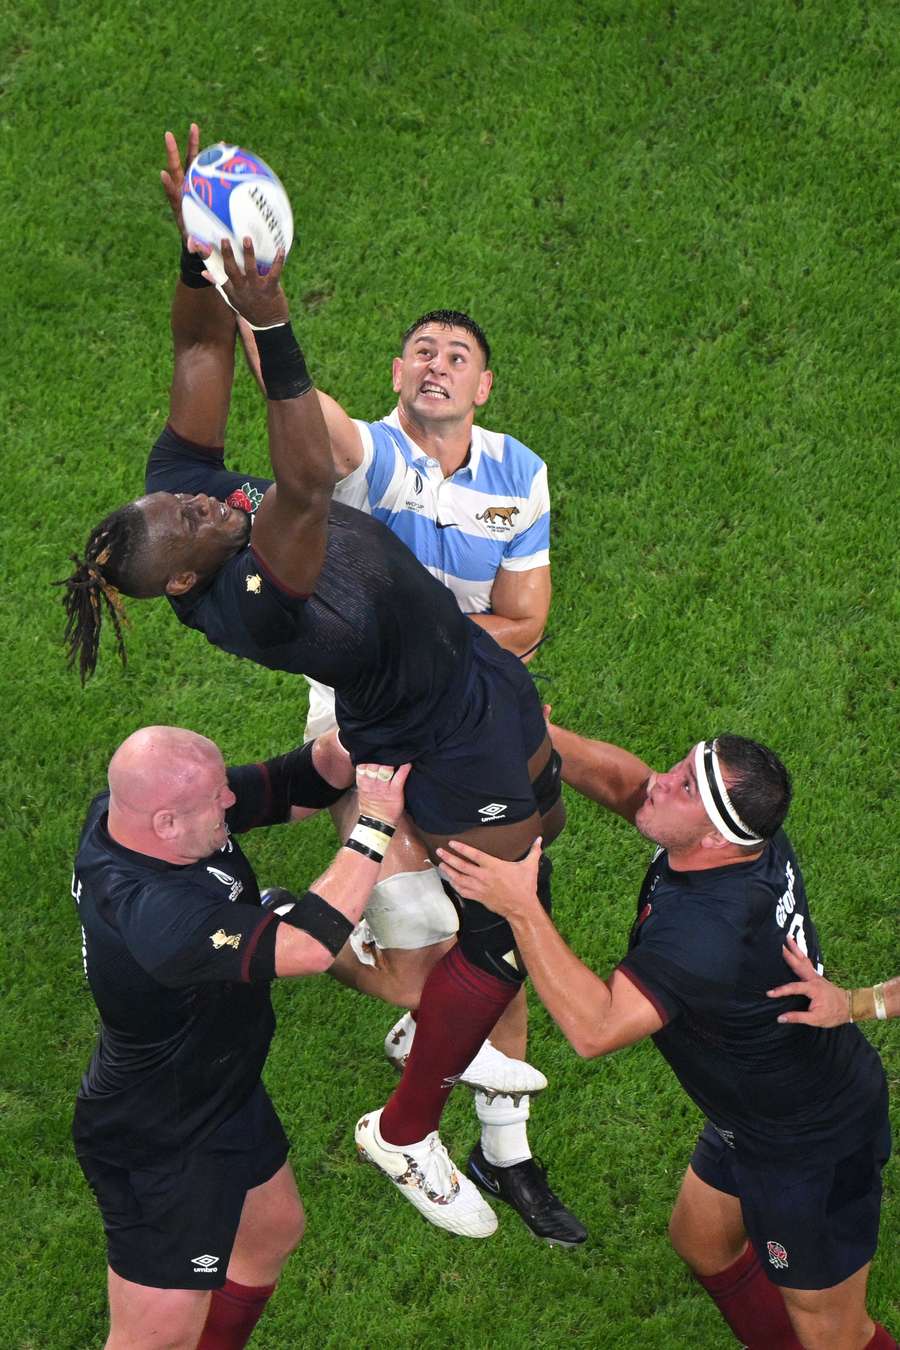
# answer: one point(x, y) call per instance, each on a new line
point(327, 591)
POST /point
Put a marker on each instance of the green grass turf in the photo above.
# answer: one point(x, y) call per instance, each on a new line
point(674, 222)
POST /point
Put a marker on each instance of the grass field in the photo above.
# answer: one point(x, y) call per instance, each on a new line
point(674, 222)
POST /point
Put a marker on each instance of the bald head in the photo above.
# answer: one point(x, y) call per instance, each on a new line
point(157, 767)
point(168, 794)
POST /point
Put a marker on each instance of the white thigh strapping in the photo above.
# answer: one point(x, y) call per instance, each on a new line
point(411, 910)
point(320, 717)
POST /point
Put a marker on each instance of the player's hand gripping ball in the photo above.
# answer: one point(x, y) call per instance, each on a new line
point(229, 193)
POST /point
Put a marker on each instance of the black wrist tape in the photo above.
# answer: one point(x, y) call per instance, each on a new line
point(380, 825)
point(364, 850)
point(321, 920)
point(192, 268)
point(281, 361)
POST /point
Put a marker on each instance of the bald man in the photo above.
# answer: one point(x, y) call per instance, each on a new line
point(173, 1128)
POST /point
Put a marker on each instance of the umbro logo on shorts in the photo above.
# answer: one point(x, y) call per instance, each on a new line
point(493, 811)
point(205, 1265)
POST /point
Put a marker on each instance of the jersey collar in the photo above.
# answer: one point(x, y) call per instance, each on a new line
point(419, 458)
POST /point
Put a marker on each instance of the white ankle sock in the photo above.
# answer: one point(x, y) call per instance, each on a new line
point(504, 1134)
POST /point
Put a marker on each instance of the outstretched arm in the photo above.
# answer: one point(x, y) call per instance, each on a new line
point(596, 1016)
point(606, 773)
point(291, 527)
point(829, 1004)
point(346, 442)
point(203, 328)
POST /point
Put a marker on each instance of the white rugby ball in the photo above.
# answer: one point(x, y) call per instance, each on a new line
point(229, 193)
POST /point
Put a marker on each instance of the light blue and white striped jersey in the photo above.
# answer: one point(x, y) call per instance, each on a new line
point(493, 512)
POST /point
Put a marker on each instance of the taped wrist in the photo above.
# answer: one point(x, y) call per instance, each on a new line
point(281, 363)
point(192, 268)
point(370, 837)
point(321, 920)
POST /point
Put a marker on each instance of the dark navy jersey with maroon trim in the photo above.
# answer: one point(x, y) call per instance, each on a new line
point(704, 949)
point(378, 626)
point(179, 960)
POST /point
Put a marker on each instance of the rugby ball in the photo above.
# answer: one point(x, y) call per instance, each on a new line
point(229, 193)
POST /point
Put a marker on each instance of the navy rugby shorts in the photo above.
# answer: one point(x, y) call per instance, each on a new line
point(811, 1224)
point(478, 774)
point(173, 1226)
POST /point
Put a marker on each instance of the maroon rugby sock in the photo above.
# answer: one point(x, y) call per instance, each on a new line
point(751, 1304)
point(882, 1340)
point(234, 1311)
point(458, 1008)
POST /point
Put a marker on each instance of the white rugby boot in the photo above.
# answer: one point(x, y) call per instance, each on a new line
point(424, 1173)
point(490, 1072)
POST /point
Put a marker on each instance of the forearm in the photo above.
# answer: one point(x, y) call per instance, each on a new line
point(300, 450)
point(577, 999)
point(606, 773)
point(200, 317)
point(519, 636)
point(203, 329)
point(345, 443)
point(345, 886)
point(299, 445)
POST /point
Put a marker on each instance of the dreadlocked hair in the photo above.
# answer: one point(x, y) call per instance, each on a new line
point(108, 567)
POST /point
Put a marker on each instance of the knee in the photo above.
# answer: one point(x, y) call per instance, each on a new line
point(405, 972)
point(705, 1252)
point(821, 1323)
point(288, 1235)
point(680, 1239)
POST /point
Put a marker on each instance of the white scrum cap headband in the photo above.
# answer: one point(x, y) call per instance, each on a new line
point(716, 799)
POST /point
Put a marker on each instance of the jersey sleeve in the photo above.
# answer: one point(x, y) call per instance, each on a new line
point(651, 978)
point(177, 465)
point(266, 791)
point(529, 545)
point(685, 959)
point(384, 464)
point(181, 935)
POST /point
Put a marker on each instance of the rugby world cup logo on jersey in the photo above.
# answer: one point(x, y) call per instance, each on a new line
point(778, 1257)
point(235, 887)
point(411, 504)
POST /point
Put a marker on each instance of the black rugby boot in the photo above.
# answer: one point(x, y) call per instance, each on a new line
point(524, 1186)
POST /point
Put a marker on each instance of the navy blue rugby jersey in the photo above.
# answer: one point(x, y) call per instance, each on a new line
point(704, 949)
point(173, 956)
point(378, 627)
